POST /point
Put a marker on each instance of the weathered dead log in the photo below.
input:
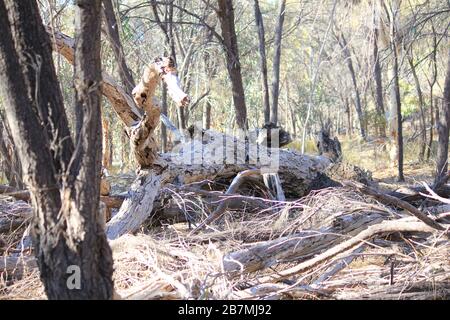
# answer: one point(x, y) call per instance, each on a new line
point(296, 172)
point(331, 148)
point(136, 208)
point(110, 201)
point(275, 291)
point(187, 163)
point(299, 246)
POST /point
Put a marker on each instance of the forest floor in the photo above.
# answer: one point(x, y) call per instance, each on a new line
point(168, 262)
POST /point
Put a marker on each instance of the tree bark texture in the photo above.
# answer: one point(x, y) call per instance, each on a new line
point(277, 62)
point(262, 61)
point(112, 30)
point(379, 100)
point(348, 58)
point(226, 17)
point(65, 227)
point(396, 132)
point(443, 132)
point(423, 131)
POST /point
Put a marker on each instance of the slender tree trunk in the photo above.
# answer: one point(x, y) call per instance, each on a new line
point(106, 157)
point(277, 62)
point(226, 18)
point(291, 110)
point(443, 132)
point(348, 110)
point(423, 134)
point(379, 100)
point(262, 61)
point(432, 83)
point(11, 161)
point(358, 106)
point(396, 113)
point(112, 30)
point(125, 150)
point(206, 115)
point(82, 189)
point(67, 233)
point(432, 124)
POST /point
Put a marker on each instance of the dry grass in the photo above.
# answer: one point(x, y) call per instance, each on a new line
point(168, 263)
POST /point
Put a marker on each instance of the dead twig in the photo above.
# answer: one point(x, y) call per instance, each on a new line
point(234, 186)
point(389, 200)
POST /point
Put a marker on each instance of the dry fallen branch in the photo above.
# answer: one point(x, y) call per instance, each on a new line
point(109, 201)
point(298, 246)
point(234, 186)
point(401, 225)
point(389, 200)
point(434, 195)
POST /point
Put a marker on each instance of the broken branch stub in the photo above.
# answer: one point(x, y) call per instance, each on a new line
point(142, 135)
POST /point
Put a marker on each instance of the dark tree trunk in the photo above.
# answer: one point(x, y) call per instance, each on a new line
point(10, 158)
point(262, 61)
point(348, 111)
point(396, 113)
point(291, 110)
point(423, 131)
point(112, 30)
point(207, 115)
point(443, 132)
point(276, 63)
point(106, 136)
point(331, 148)
point(348, 59)
point(432, 83)
point(379, 101)
point(164, 108)
point(66, 226)
point(50, 107)
point(226, 17)
point(95, 253)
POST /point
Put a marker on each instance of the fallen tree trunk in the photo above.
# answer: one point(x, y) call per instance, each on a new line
point(299, 246)
point(193, 160)
point(109, 201)
point(296, 172)
point(137, 207)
